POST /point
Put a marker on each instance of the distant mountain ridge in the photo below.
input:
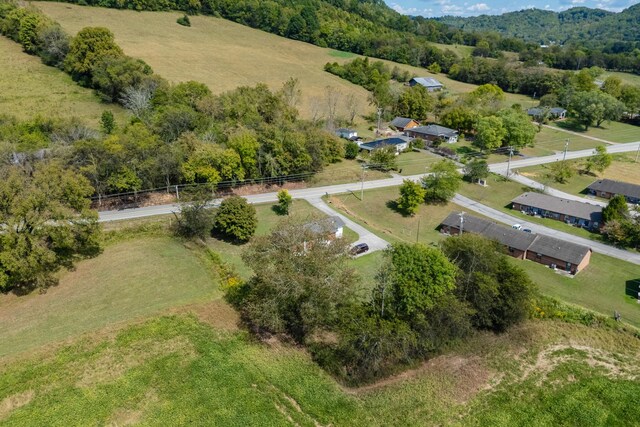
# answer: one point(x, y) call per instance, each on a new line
point(580, 24)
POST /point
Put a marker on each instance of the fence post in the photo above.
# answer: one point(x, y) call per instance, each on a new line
point(177, 193)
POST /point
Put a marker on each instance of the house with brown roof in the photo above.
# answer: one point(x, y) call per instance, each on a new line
point(403, 123)
point(547, 250)
point(607, 188)
point(568, 211)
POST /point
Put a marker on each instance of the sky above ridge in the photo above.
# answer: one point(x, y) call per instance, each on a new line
point(432, 8)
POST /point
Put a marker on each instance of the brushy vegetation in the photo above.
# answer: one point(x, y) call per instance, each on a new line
point(174, 369)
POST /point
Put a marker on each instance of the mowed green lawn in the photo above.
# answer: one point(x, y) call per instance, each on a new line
point(608, 131)
point(177, 371)
point(131, 279)
point(623, 168)
point(29, 88)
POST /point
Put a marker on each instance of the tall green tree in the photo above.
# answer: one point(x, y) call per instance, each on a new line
point(299, 281)
point(476, 170)
point(414, 102)
point(595, 107)
point(236, 219)
point(411, 197)
point(47, 225)
point(442, 182)
point(520, 132)
point(499, 292)
point(490, 133)
point(600, 161)
point(89, 46)
point(616, 210)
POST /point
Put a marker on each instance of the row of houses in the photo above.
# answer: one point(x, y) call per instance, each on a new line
point(568, 211)
point(607, 188)
point(543, 249)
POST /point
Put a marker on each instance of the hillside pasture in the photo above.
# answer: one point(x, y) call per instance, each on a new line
point(175, 370)
point(29, 88)
point(225, 55)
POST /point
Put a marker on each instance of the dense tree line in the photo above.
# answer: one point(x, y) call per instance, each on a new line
point(179, 133)
point(422, 299)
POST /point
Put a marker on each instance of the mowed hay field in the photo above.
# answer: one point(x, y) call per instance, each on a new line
point(225, 55)
point(28, 88)
point(130, 279)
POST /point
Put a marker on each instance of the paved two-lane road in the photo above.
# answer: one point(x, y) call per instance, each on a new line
point(314, 195)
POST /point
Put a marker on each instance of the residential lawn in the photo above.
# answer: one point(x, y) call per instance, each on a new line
point(130, 279)
point(345, 172)
point(498, 194)
point(607, 284)
point(623, 168)
point(609, 131)
point(376, 215)
point(547, 142)
point(29, 88)
point(225, 55)
point(416, 162)
point(177, 371)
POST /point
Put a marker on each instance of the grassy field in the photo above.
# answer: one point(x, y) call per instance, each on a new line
point(623, 168)
point(609, 131)
point(344, 172)
point(547, 142)
point(131, 279)
point(225, 55)
point(28, 88)
point(376, 214)
point(178, 371)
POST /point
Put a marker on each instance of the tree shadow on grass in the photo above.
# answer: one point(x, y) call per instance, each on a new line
point(227, 239)
point(393, 205)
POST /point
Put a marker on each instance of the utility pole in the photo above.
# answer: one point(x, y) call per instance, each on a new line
point(362, 184)
point(566, 147)
point(418, 232)
point(509, 163)
point(461, 215)
point(379, 115)
point(637, 152)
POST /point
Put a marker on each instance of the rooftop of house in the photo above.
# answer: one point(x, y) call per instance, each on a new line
point(346, 130)
point(561, 206)
point(326, 225)
point(427, 81)
point(385, 142)
point(616, 187)
point(401, 122)
point(538, 243)
point(435, 130)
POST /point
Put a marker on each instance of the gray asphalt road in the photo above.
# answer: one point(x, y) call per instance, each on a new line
point(315, 194)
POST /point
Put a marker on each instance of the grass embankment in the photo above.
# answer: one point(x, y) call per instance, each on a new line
point(28, 88)
point(623, 168)
point(225, 55)
point(177, 371)
point(607, 284)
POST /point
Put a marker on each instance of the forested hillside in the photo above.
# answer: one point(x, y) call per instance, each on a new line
point(592, 27)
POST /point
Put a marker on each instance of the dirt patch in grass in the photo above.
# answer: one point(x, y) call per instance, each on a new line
point(468, 374)
point(217, 313)
point(115, 362)
point(15, 401)
point(132, 416)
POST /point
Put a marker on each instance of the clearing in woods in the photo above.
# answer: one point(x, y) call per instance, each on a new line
point(225, 55)
point(28, 88)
